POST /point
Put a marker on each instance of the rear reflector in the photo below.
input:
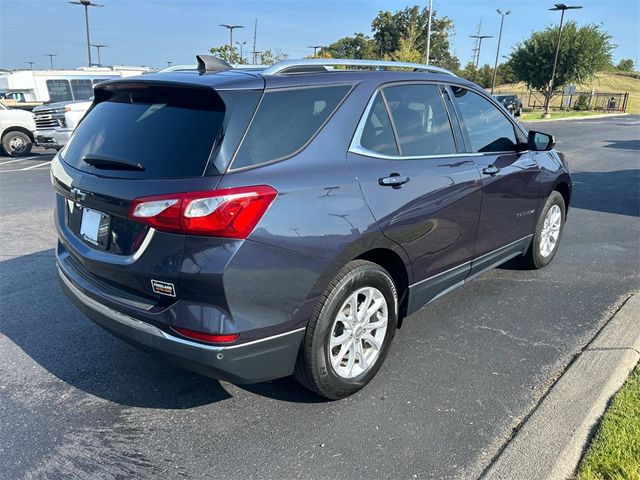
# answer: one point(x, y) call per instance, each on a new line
point(229, 213)
point(207, 337)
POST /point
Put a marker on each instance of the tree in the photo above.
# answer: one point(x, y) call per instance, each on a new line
point(583, 52)
point(358, 47)
point(268, 57)
point(408, 50)
point(390, 28)
point(626, 65)
point(227, 54)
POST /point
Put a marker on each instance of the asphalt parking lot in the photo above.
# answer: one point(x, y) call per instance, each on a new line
point(463, 371)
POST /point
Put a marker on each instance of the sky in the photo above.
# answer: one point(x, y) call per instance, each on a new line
point(152, 32)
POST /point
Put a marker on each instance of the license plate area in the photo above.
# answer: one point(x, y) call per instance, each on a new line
point(94, 226)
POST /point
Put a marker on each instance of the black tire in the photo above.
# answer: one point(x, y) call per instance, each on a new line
point(313, 368)
point(16, 144)
point(534, 259)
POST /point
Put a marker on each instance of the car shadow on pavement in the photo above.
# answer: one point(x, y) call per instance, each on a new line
point(38, 318)
point(623, 144)
point(609, 192)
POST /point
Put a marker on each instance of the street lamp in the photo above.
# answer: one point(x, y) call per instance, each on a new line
point(169, 64)
point(98, 47)
point(562, 7)
point(50, 55)
point(429, 33)
point(30, 64)
point(495, 67)
point(86, 4)
point(241, 44)
point(315, 49)
point(231, 28)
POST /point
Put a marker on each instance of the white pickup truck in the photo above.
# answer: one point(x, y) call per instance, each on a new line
point(16, 131)
point(55, 122)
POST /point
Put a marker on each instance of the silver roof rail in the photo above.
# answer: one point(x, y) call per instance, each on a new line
point(312, 64)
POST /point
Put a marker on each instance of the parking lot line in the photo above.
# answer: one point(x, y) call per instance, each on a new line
point(17, 160)
point(26, 168)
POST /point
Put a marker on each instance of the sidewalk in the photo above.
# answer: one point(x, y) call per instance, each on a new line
point(551, 442)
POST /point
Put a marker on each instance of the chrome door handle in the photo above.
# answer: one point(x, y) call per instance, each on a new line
point(394, 180)
point(491, 170)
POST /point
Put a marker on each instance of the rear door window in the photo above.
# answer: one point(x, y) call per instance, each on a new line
point(286, 121)
point(488, 130)
point(421, 120)
point(171, 132)
point(377, 134)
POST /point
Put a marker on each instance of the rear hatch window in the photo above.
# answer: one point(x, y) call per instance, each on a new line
point(141, 130)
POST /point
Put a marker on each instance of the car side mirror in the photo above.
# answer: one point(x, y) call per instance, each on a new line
point(541, 142)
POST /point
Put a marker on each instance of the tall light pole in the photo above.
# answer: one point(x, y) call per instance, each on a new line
point(231, 28)
point(429, 33)
point(315, 49)
point(98, 47)
point(86, 4)
point(50, 55)
point(255, 33)
point(562, 7)
point(495, 67)
point(30, 64)
point(241, 45)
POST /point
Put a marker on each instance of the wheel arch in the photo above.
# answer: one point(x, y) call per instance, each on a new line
point(563, 187)
point(16, 128)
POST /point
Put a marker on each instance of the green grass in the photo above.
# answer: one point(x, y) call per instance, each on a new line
point(536, 115)
point(614, 453)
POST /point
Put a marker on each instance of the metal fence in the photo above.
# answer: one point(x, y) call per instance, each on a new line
point(605, 101)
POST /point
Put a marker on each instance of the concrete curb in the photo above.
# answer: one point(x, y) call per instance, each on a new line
point(565, 119)
point(551, 442)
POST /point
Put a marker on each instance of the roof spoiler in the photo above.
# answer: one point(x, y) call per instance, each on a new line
point(210, 63)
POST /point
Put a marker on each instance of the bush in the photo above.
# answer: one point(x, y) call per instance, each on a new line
point(582, 103)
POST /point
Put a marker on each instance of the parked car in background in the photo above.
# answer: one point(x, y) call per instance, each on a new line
point(511, 103)
point(16, 131)
point(55, 122)
point(248, 225)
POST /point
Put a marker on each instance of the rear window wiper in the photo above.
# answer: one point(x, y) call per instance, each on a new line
point(111, 163)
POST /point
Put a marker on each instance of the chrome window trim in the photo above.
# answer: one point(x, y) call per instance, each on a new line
point(357, 148)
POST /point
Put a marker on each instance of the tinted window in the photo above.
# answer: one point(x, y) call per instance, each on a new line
point(170, 131)
point(420, 119)
point(377, 134)
point(488, 130)
point(82, 89)
point(285, 121)
point(59, 90)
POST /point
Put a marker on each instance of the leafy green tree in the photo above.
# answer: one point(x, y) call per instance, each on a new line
point(358, 47)
point(505, 74)
point(390, 28)
point(469, 72)
point(408, 49)
point(583, 52)
point(268, 57)
point(227, 54)
point(625, 65)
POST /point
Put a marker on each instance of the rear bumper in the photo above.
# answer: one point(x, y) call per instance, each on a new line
point(53, 138)
point(255, 361)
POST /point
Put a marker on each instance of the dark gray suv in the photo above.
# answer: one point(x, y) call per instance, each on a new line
point(251, 224)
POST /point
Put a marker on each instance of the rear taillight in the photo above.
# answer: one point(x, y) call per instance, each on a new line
point(230, 212)
point(207, 337)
